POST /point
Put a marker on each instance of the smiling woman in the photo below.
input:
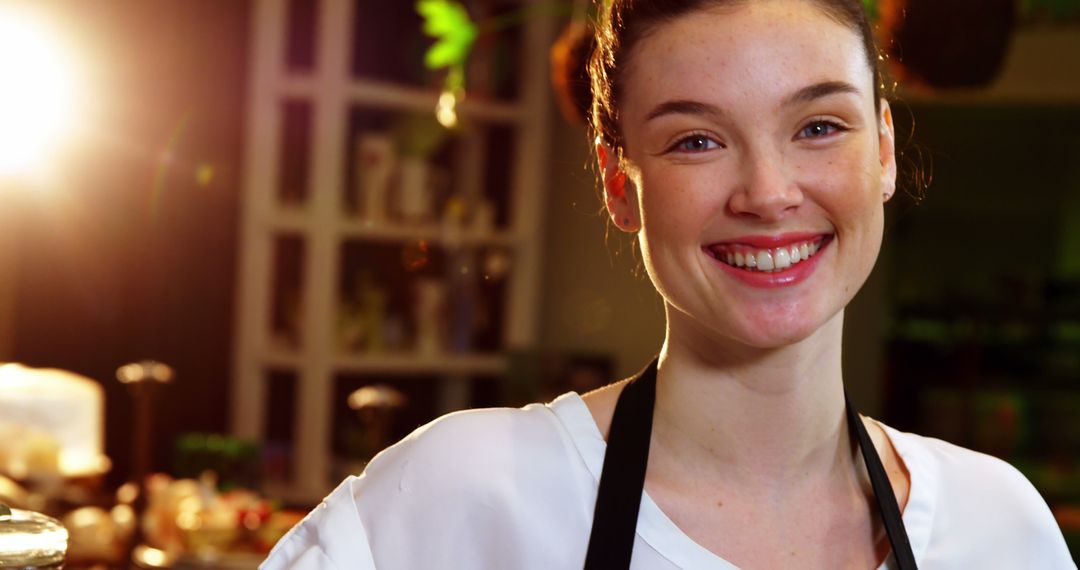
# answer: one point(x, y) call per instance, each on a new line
point(746, 146)
point(788, 145)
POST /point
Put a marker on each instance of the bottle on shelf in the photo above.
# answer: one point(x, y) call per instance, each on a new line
point(430, 316)
point(376, 163)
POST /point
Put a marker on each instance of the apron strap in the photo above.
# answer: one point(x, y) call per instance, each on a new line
point(623, 477)
point(618, 498)
point(883, 493)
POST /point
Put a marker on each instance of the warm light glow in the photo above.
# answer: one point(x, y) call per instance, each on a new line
point(189, 521)
point(446, 111)
point(123, 516)
point(37, 95)
point(150, 557)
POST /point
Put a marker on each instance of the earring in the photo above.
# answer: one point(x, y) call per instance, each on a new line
point(626, 221)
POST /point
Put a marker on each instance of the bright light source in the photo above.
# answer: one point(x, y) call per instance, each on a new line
point(445, 109)
point(36, 92)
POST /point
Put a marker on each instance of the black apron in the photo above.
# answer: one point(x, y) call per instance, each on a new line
point(611, 543)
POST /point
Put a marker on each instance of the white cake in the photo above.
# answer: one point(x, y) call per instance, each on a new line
point(51, 423)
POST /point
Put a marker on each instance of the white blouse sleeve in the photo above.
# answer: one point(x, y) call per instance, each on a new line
point(331, 537)
point(475, 489)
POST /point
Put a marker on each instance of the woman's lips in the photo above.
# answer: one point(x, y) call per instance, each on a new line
point(790, 262)
point(766, 241)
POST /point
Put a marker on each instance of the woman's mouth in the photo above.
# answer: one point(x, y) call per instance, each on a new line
point(767, 260)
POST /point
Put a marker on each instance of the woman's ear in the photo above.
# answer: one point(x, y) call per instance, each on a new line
point(887, 151)
point(620, 196)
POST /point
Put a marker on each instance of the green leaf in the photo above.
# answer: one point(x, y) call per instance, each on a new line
point(449, 23)
point(443, 54)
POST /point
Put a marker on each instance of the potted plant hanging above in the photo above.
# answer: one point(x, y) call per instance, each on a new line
point(945, 43)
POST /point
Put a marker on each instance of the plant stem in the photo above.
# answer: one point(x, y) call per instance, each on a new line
point(518, 17)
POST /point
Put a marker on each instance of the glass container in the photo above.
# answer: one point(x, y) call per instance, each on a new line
point(31, 540)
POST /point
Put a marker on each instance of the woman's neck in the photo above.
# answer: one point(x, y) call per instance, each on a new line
point(768, 421)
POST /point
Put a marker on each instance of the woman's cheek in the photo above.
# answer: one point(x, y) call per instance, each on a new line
point(846, 185)
point(663, 199)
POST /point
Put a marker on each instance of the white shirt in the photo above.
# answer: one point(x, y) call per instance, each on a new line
point(515, 489)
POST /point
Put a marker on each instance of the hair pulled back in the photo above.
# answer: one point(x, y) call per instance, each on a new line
point(621, 24)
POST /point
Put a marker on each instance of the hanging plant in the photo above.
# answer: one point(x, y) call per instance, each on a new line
point(946, 43)
point(455, 34)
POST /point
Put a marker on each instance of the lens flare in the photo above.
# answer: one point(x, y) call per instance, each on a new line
point(37, 97)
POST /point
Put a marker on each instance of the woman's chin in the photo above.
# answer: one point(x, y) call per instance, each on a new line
point(773, 331)
point(775, 326)
point(769, 340)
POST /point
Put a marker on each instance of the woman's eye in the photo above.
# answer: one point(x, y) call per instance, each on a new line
point(696, 143)
point(819, 129)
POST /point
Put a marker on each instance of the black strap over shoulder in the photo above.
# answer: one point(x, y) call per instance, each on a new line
point(619, 496)
point(883, 493)
point(618, 499)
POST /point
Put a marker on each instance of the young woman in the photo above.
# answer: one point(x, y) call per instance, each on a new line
point(747, 146)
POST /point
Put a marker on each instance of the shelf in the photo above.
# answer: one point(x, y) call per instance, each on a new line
point(307, 256)
point(282, 358)
point(403, 363)
point(292, 220)
point(436, 234)
point(402, 98)
point(285, 219)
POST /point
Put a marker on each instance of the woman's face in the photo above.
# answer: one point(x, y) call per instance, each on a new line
point(750, 133)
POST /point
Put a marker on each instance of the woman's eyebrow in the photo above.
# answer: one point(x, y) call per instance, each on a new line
point(804, 95)
point(817, 91)
point(684, 107)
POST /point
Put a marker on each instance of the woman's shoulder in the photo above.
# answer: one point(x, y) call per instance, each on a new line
point(486, 433)
point(968, 498)
point(478, 451)
point(956, 468)
point(496, 469)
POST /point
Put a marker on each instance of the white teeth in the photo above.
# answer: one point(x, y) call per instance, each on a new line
point(765, 261)
point(771, 260)
point(782, 258)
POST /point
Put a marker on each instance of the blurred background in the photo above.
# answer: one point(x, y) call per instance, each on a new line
point(306, 231)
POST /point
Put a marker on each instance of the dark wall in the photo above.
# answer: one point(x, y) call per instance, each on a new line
point(132, 255)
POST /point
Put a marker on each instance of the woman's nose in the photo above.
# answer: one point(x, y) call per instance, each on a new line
point(766, 190)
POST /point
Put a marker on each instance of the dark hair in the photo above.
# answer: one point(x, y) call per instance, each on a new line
point(622, 23)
